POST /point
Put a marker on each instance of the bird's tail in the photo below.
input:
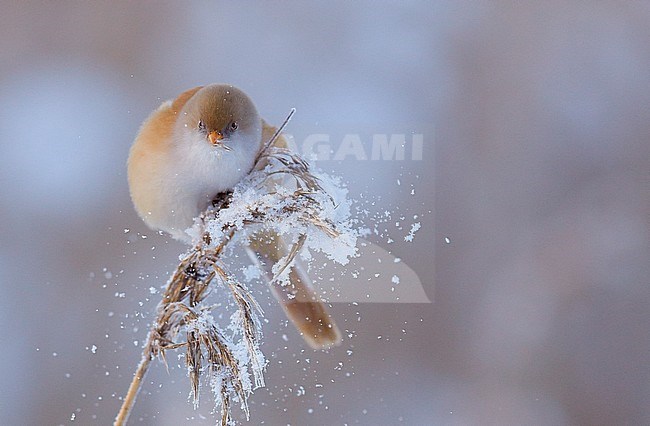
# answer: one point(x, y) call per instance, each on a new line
point(300, 302)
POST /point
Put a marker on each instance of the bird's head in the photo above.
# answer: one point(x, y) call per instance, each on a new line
point(223, 117)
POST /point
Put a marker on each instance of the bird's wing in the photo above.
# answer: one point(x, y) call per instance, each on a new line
point(147, 160)
point(157, 129)
point(182, 99)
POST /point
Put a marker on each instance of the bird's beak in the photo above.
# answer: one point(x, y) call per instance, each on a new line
point(215, 137)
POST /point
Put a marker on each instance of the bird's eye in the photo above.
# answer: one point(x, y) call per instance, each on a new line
point(234, 126)
point(201, 126)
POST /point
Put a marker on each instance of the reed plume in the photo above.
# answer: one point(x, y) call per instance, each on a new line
point(302, 211)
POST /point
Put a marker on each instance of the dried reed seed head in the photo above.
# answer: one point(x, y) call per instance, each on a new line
point(190, 285)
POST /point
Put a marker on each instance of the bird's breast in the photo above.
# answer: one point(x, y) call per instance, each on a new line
point(200, 175)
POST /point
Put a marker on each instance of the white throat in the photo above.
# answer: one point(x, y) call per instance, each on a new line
point(200, 171)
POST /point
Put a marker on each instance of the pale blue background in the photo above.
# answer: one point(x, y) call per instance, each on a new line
point(540, 118)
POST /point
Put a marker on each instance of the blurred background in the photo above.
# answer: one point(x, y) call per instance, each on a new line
point(533, 195)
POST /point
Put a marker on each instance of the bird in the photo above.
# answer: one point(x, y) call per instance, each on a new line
point(197, 146)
